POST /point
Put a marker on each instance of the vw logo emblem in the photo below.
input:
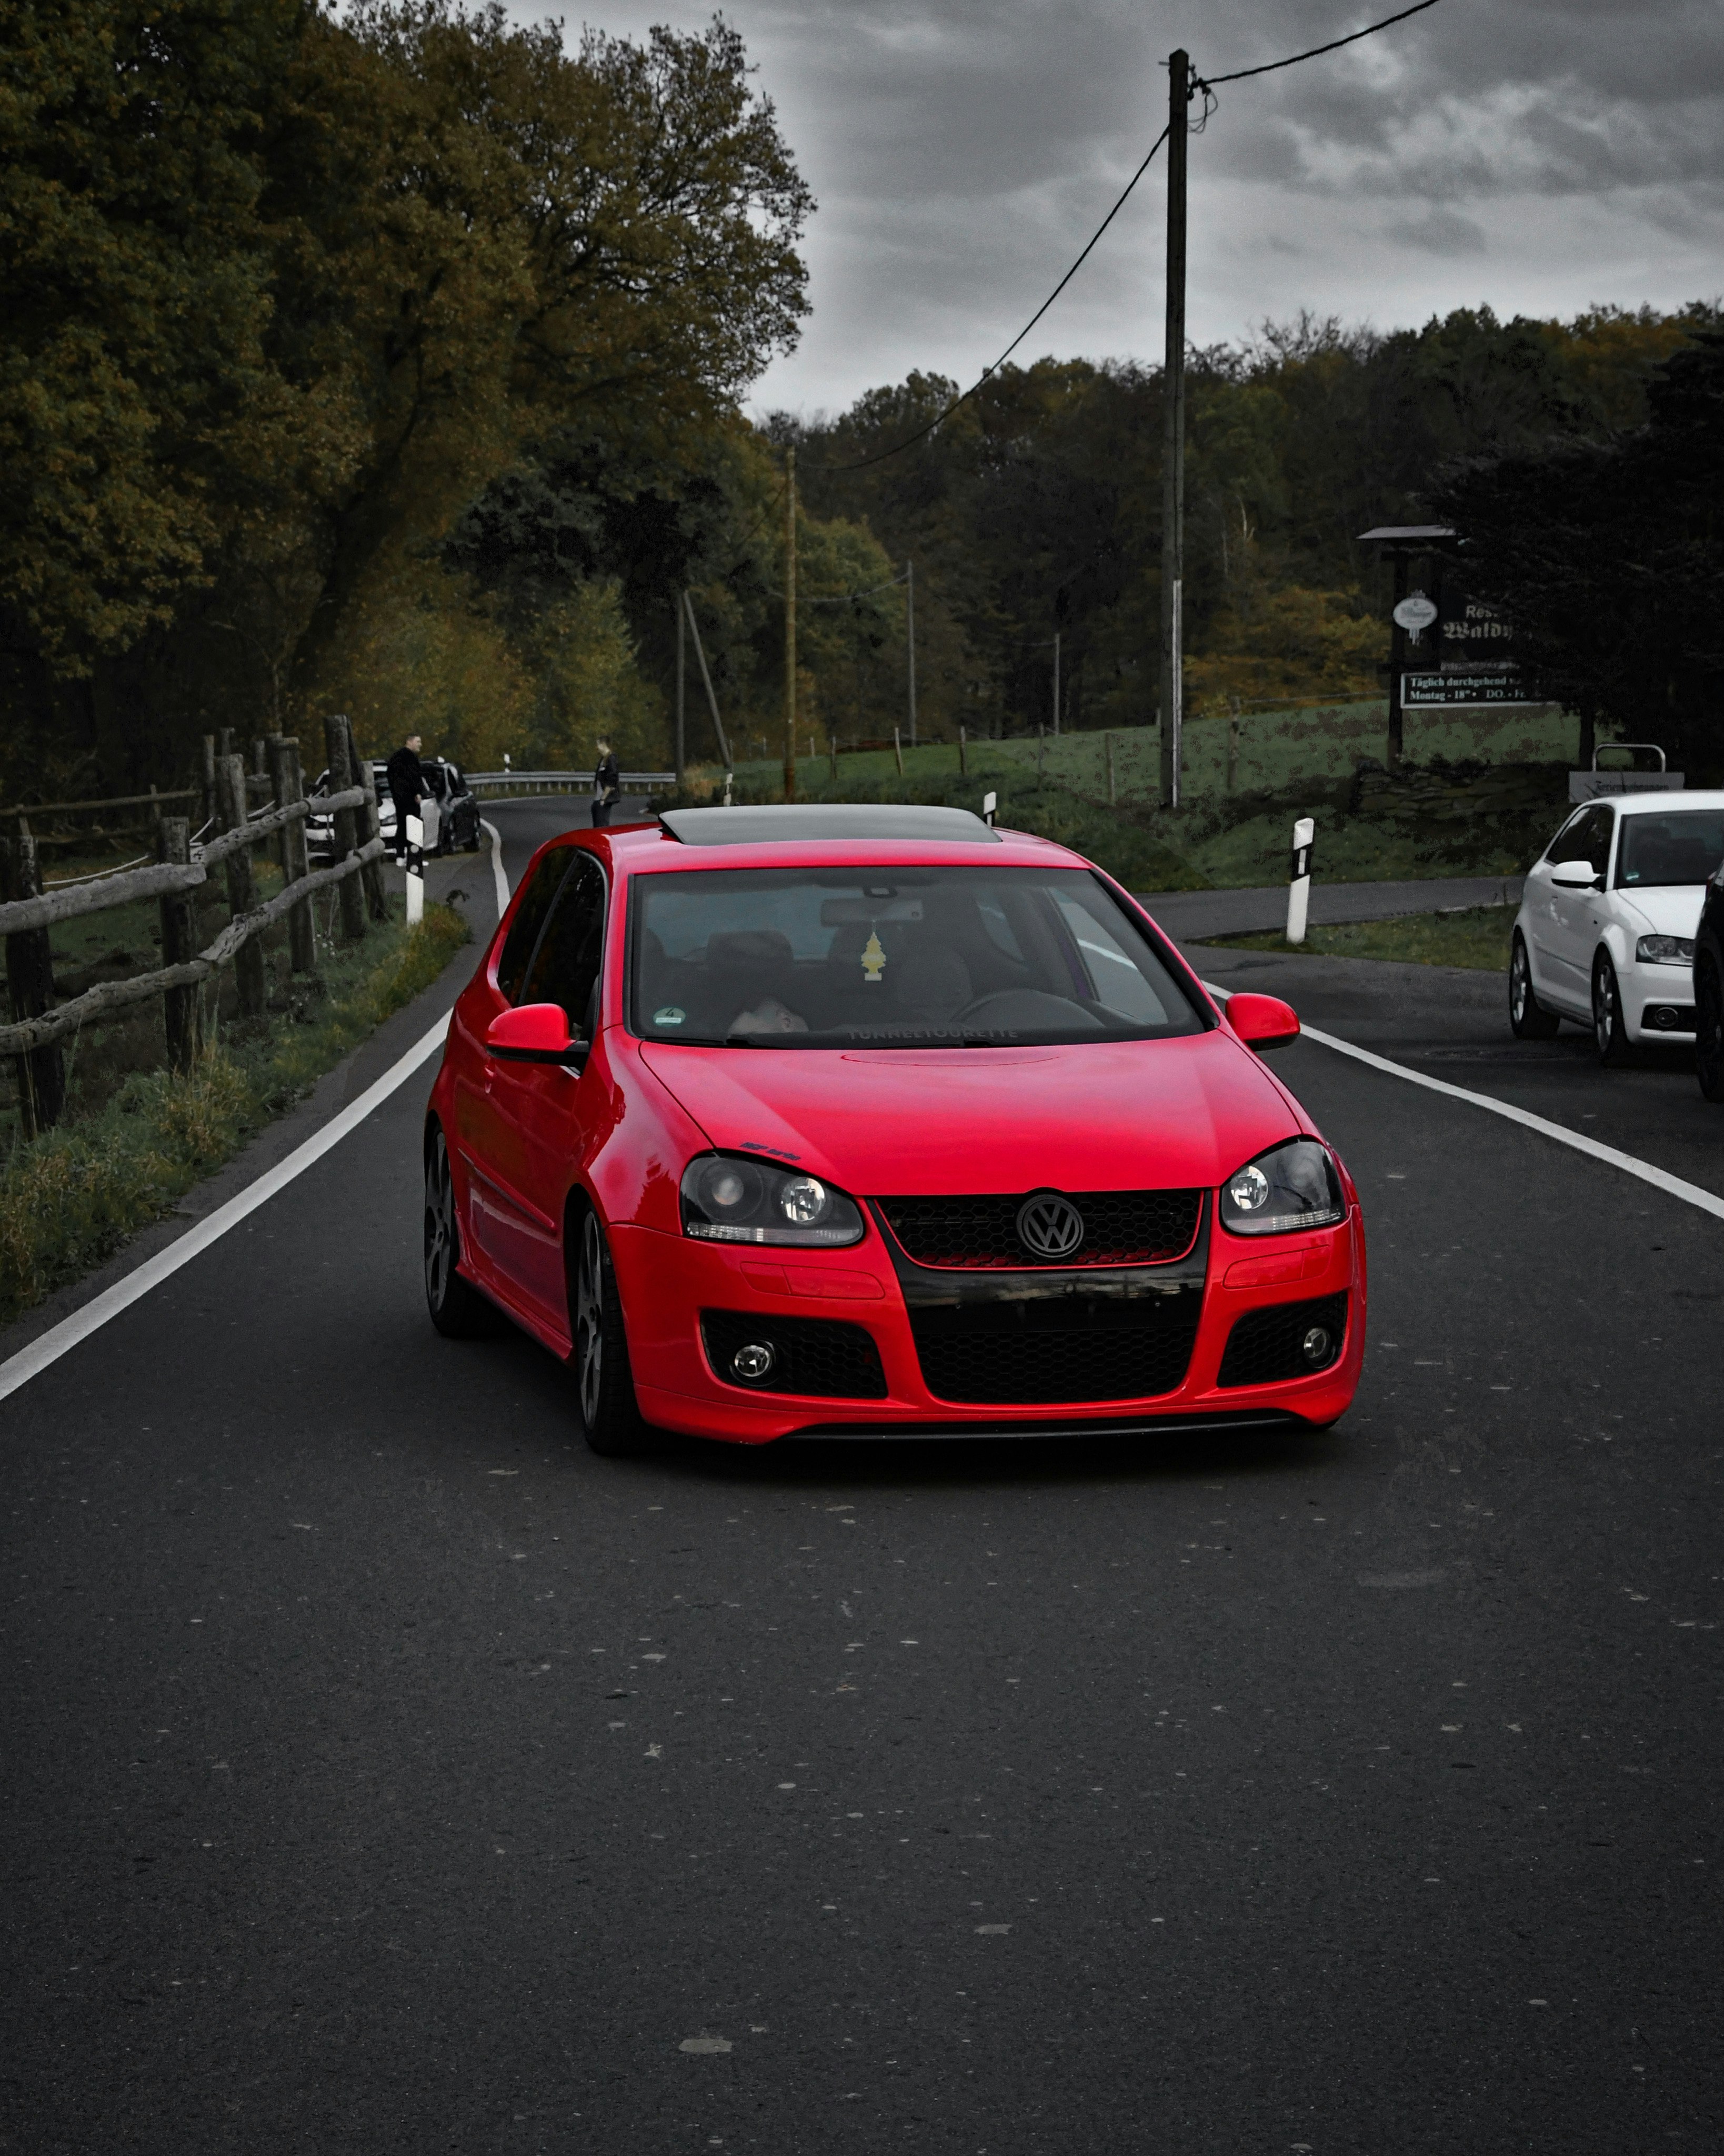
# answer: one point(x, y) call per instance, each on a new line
point(1049, 1225)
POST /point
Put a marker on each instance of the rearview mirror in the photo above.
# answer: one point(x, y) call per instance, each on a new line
point(1262, 1022)
point(533, 1033)
point(1574, 875)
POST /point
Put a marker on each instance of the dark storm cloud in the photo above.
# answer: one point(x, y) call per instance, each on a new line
point(1541, 158)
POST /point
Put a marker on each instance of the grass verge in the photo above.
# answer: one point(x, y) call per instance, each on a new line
point(69, 1199)
point(1475, 937)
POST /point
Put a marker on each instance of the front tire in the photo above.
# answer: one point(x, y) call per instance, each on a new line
point(604, 1386)
point(1528, 1018)
point(1609, 1035)
point(458, 1310)
point(1709, 1031)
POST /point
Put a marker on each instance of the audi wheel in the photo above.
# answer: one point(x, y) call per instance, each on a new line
point(1528, 1018)
point(1608, 1033)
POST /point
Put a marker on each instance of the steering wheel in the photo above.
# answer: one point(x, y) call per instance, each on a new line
point(1043, 999)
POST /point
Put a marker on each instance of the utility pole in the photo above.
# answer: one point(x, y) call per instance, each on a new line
point(682, 631)
point(1173, 441)
point(909, 645)
point(790, 624)
point(1056, 685)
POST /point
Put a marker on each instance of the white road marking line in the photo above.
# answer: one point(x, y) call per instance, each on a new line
point(28, 1362)
point(1673, 1186)
point(496, 837)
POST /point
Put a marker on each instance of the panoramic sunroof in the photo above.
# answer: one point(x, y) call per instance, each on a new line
point(777, 823)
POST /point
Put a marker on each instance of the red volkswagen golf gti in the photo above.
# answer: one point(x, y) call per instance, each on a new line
point(877, 1121)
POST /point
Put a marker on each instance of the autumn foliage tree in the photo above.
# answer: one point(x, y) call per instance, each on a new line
point(286, 291)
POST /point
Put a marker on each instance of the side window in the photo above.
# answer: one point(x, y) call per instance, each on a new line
point(1584, 838)
point(1596, 846)
point(565, 967)
point(530, 917)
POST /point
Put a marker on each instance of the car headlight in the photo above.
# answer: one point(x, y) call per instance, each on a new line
point(727, 1197)
point(1293, 1185)
point(1664, 951)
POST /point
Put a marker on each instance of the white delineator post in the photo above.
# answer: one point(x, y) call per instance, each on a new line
point(415, 859)
point(990, 804)
point(1305, 832)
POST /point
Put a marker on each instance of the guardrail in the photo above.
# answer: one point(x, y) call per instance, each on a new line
point(28, 911)
point(566, 782)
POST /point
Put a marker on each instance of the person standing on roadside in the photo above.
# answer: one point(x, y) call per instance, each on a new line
point(406, 776)
point(607, 784)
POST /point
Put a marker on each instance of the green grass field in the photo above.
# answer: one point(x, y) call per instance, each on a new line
point(1302, 763)
point(1476, 938)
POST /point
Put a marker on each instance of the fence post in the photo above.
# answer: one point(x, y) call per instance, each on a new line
point(29, 977)
point(370, 826)
point(288, 781)
point(179, 943)
point(338, 753)
point(898, 751)
point(964, 753)
point(242, 894)
point(209, 782)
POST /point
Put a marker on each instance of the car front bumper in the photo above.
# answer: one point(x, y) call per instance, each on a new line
point(1658, 1003)
point(666, 1281)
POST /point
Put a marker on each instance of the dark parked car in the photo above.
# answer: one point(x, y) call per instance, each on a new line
point(1708, 990)
point(457, 810)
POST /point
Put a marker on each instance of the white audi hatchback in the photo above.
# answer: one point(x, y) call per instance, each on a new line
point(1605, 932)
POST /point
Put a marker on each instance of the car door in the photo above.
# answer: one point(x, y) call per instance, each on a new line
point(1576, 916)
point(536, 1114)
point(505, 1228)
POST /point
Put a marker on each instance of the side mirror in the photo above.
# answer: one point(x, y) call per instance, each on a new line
point(533, 1033)
point(1574, 875)
point(1263, 1022)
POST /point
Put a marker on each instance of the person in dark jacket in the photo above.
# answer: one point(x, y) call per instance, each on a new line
point(406, 776)
point(607, 784)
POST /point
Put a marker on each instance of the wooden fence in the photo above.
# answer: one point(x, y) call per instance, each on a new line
point(28, 911)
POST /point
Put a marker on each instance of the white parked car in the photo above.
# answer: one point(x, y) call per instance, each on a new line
point(1605, 932)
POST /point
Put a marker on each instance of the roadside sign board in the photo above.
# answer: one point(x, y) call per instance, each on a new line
point(1500, 685)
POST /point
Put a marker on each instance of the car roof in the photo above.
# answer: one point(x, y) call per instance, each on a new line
point(649, 847)
point(1660, 801)
point(783, 823)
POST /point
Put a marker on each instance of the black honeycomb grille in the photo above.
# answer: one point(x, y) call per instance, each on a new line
point(1266, 1346)
point(1121, 1228)
point(1067, 1350)
point(819, 1358)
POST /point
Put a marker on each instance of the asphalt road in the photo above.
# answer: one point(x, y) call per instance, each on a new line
point(1353, 1794)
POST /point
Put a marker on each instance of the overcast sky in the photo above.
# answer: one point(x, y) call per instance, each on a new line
point(1543, 156)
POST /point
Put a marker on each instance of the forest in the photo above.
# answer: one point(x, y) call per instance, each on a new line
point(397, 364)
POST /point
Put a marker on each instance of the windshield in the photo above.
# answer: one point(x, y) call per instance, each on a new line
point(895, 958)
point(1684, 846)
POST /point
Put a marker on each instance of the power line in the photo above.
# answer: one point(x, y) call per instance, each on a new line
point(1243, 74)
point(1207, 85)
point(988, 373)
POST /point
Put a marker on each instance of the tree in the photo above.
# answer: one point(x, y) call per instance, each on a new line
point(1609, 557)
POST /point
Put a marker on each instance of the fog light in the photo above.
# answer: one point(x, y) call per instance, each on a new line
point(1316, 1345)
point(755, 1360)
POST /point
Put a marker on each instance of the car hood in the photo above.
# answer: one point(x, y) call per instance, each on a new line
point(1671, 909)
point(1123, 1115)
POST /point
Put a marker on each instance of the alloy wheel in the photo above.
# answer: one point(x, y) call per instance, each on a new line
point(589, 1318)
point(1607, 1011)
point(439, 1224)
